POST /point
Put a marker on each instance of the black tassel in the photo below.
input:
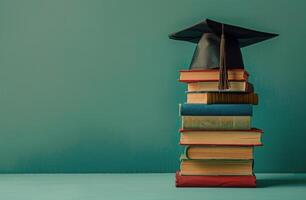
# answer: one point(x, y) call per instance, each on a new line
point(223, 80)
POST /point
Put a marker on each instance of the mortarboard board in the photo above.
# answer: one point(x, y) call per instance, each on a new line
point(218, 46)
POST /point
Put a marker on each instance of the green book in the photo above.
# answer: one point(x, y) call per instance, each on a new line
point(216, 122)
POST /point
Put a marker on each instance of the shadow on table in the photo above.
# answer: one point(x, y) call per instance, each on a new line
point(271, 182)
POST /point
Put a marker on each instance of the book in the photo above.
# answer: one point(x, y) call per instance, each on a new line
point(216, 122)
point(221, 98)
point(218, 152)
point(250, 137)
point(213, 86)
point(216, 167)
point(214, 181)
point(215, 109)
point(212, 75)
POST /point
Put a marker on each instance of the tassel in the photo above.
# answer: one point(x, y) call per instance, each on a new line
point(223, 80)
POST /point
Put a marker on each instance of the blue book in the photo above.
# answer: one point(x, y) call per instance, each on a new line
point(216, 109)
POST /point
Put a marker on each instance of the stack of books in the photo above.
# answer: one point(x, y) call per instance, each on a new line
point(216, 131)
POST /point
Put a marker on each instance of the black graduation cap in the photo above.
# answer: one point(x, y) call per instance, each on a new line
point(218, 46)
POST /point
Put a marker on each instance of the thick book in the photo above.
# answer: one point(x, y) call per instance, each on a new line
point(213, 86)
point(216, 109)
point(216, 122)
point(215, 181)
point(218, 152)
point(250, 137)
point(212, 75)
point(216, 167)
point(221, 98)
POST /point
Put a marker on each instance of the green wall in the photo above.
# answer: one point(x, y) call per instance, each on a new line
point(91, 86)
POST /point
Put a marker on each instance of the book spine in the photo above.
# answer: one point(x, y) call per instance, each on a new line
point(216, 122)
point(214, 181)
point(215, 98)
point(216, 110)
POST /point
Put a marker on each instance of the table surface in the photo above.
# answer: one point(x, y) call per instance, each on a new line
point(142, 187)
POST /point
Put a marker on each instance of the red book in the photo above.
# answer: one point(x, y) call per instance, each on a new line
point(215, 181)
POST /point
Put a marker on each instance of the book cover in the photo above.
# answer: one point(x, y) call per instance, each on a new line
point(215, 181)
point(216, 109)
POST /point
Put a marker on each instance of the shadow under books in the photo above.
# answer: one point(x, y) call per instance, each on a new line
point(279, 182)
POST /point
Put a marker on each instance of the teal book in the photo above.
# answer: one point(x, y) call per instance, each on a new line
point(216, 109)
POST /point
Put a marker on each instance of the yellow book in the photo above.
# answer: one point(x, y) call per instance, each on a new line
point(250, 137)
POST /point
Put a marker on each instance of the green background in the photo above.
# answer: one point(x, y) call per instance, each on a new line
point(91, 86)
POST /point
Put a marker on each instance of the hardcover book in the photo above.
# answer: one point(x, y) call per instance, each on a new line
point(215, 181)
point(216, 167)
point(212, 75)
point(215, 109)
point(221, 98)
point(216, 122)
point(250, 137)
point(213, 86)
point(218, 152)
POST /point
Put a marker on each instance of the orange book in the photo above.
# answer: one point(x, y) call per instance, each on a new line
point(218, 152)
point(212, 75)
point(222, 98)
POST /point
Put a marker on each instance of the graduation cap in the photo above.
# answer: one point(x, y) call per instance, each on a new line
point(218, 46)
